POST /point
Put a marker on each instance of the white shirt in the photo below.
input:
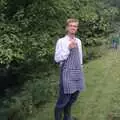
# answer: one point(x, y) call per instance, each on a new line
point(62, 50)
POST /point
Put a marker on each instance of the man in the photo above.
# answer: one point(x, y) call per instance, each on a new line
point(68, 54)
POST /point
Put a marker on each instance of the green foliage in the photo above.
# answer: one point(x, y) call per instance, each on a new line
point(36, 26)
point(10, 44)
point(28, 33)
point(38, 90)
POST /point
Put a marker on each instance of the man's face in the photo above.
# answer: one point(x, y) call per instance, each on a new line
point(72, 27)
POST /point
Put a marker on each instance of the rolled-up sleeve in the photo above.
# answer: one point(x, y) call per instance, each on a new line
point(61, 51)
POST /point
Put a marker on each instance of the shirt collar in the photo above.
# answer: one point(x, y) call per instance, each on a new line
point(68, 37)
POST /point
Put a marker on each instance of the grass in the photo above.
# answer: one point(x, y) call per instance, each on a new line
point(101, 98)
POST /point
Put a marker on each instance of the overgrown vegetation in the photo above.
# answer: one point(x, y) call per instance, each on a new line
point(28, 33)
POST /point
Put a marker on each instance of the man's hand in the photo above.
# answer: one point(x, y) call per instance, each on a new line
point(72, 44)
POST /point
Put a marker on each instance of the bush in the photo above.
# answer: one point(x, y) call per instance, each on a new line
point(35, 92)
point(91, 53)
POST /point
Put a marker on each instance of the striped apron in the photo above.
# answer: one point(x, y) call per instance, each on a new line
point(72, 77)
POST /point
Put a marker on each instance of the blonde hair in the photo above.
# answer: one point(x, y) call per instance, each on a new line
point(70, 20)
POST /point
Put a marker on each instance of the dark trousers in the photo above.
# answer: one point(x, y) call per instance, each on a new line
point(64, 104)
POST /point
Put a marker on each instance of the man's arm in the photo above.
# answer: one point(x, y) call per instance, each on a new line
point(80, 51)
point(62, 51)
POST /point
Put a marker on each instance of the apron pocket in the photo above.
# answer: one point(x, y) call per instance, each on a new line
point(75, 74)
